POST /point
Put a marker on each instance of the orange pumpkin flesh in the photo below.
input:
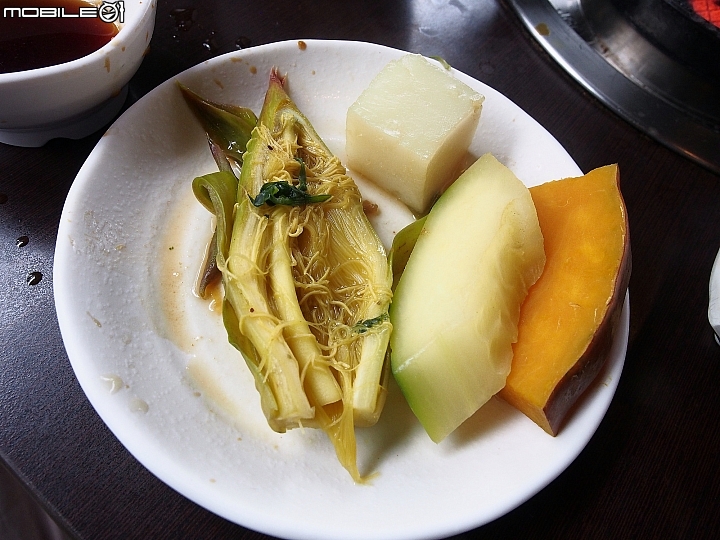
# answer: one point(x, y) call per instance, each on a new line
point(571, 314)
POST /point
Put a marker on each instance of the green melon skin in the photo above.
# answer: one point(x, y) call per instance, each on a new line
point(456, 306)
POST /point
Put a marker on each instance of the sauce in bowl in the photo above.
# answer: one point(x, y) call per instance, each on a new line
point(41, 33)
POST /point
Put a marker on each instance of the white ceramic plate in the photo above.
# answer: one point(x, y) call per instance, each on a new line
point(154, 361)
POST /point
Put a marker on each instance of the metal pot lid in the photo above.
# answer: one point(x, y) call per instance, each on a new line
point(653, 62)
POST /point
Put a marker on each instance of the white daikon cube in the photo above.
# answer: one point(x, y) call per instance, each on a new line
point(410, 129)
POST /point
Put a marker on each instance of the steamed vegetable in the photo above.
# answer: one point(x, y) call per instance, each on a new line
point(409, 130)
point(306, 280)
point(572, 315)
point(228, 128)
point(457, 303)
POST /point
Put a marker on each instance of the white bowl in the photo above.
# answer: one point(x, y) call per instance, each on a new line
point(76, 98)
point(714, 306)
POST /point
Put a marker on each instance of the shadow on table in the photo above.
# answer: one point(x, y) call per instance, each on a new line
point(21, 517)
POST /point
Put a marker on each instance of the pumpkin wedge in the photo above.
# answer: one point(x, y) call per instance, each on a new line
point(571, 314)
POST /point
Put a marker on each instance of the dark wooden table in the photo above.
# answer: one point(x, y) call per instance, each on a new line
point(650, 471)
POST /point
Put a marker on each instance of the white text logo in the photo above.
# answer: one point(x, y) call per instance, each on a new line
point(108, 11)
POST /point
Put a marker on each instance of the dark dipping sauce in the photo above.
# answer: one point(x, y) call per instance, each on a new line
point(29, 41)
